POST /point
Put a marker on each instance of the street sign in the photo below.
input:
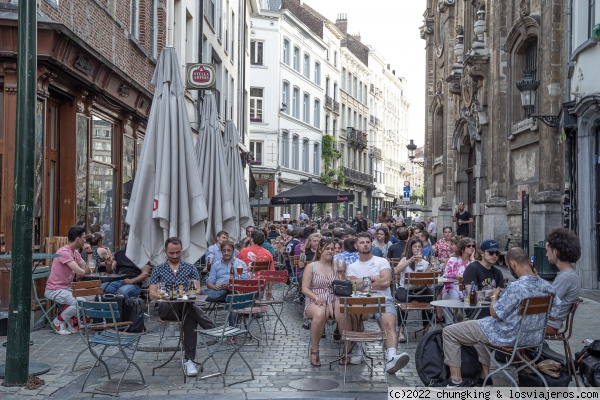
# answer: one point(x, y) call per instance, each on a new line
point(407, 183)
point(407, 188)
point(406, 202)
point(407, 195)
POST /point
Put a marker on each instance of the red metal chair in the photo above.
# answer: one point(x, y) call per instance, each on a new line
point(273, 278)
point(257, 312)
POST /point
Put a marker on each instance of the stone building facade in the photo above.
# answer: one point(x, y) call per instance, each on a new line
point(480, 146)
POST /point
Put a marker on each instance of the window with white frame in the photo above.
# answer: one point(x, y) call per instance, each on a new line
point(297, 58)
point(317, 73)
point(343, 78)
point(296, 102)
point(285, 147)
point(286, 51)
point(211, 12)
point(306, 66)
point(305, 156)
point(232, 35)
point(591, 17)
point(296, 153)
point(335, 91)
point(306, 108)
point(256, 149)
point(135, 19)
point(256, 52)
point(317, 113)
point(285, 97)
point(335, 58)
point(316, 160)
point(256, 105)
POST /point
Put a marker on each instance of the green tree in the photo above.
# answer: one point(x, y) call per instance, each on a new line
point(417, 195)
point(328, 154)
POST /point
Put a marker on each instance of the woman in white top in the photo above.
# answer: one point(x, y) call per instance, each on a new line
point(455, 268)
point(412, 262)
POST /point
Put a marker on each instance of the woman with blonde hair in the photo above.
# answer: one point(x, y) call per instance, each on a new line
point(317, 286)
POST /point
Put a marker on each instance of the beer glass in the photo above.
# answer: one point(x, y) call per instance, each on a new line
point(161, 292)
point(92, 266)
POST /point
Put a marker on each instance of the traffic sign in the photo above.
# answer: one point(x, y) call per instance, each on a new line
point(407, 183)
point(406, 202)
point(407, 195)
point(407, 188)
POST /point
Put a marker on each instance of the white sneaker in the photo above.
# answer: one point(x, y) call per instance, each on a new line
point(60, 327)
point(356, 356)
point(70, 326)
point(396, 363)
point(190, 368)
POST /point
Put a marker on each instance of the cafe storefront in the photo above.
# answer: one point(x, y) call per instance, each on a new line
point(90, 122)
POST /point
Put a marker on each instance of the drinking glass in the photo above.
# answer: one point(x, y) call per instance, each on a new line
point(340, 267)
point(240, 270)
point(92, 266)
point(419, 257)
point(161, 292)
point(480, 297)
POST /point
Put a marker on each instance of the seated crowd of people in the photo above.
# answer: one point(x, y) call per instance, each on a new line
point(365, 252)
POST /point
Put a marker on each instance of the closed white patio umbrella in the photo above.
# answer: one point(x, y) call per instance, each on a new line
point(210, 155)
point(167, 199)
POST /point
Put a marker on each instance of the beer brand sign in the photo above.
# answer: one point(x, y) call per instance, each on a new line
point(200, 76)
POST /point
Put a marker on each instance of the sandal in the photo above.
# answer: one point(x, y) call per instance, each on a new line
point(317, 362)
point(401, 337)
point(306, 325)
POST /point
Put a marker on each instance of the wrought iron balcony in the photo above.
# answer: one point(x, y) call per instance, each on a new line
point(328, 103)
point(354, 176)
point(356, 138)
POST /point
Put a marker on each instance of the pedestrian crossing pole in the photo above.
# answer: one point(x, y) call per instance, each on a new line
point(19, 318)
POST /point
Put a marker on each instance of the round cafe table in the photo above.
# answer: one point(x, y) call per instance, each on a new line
point(103, 277)
point(461, 306)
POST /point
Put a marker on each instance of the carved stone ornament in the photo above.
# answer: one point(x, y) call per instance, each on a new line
point(45, 77)
point(439, 85)
point(524, 8)
point(468, 87)
point(124, 90)
point(426, 28)
point(83, 64)
point(442, 5)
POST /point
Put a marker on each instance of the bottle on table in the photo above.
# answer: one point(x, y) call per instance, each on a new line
point(173, 293)
point(192, 290)
point(473, 294)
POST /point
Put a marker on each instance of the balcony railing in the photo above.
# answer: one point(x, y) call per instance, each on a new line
point(356, 138)
point(328, 103)
point(372, 89)
point(336, 107)
point(354, 176)
point(372, 119)
point(376, 152)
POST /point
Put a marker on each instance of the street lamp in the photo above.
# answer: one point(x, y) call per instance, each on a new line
point(528, 88)
point(411, 150)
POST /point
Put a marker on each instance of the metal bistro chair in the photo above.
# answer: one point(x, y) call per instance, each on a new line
point(532, 307)
point(237, 286)
point(357, 307)
point(227, 335)
point(563, 335)
point(413, 301)
point(107, 334)
point(43, 302)
point(273, 278)
point(294, 288)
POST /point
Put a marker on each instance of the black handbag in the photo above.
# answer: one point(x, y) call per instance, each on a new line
point(342, 288)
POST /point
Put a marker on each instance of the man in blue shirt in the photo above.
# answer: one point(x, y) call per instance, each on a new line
point(349, 254)
point(500, 328)
point(427, 251)
point(175, 272)
point(214, 251)
point(218, 279)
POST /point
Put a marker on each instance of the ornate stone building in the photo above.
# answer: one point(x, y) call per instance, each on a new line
point(481, 147)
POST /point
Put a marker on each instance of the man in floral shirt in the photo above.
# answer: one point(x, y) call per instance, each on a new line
point(500, 329)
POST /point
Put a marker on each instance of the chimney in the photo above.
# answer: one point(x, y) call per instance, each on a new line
point(342, 23)
point(357, 36)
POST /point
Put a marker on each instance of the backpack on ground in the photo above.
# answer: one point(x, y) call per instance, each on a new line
point(587, 361)
point(133, 311)
point(429, 359)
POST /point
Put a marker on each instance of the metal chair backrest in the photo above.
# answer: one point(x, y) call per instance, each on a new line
point(274, 276)
point(419, 278)
point(394, 262)
point(530, 308)
point(567, 329)
point(362, 305)
point(258, 267)
point(87, 288)
point(107, 313)
point(246, 285)
point(295, 261)
point(40, 272)
point(239, 301)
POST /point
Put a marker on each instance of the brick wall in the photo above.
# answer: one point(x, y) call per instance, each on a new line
point(105, 26)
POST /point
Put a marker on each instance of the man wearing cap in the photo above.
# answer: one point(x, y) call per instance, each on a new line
point(483, 272)
point(462, 218)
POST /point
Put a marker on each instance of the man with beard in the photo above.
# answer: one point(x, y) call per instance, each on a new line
point(462, 218)
point(383, 217)
point(175, 272)
point(499, 329)
point(380, 272)
point(359, 224)
point(131, 286)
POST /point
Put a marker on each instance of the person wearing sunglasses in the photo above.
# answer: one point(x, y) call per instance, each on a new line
point(455, 267)
point(483, 272)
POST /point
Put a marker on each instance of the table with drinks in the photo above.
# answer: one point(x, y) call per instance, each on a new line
point(178, 294)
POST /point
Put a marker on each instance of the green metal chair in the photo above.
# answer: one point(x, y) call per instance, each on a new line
point(106, 334)
point(40, 273)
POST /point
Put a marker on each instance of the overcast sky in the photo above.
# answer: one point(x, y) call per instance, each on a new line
point(391, 27)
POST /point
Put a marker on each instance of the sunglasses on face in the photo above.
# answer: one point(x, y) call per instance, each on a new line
point(470, 246)
point(493, 253)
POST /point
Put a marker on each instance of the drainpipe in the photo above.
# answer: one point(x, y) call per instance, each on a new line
point(241, 70)
point(170, 21)
point(200, 51)
point(568, 45)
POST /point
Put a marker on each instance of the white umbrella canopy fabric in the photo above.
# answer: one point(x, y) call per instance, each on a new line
point(241, 201)
point(210, 155)
point(166, 199)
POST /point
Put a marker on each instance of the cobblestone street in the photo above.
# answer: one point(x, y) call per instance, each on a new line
point(276, 365)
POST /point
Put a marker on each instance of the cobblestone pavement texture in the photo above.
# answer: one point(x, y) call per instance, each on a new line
point(275, 365)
